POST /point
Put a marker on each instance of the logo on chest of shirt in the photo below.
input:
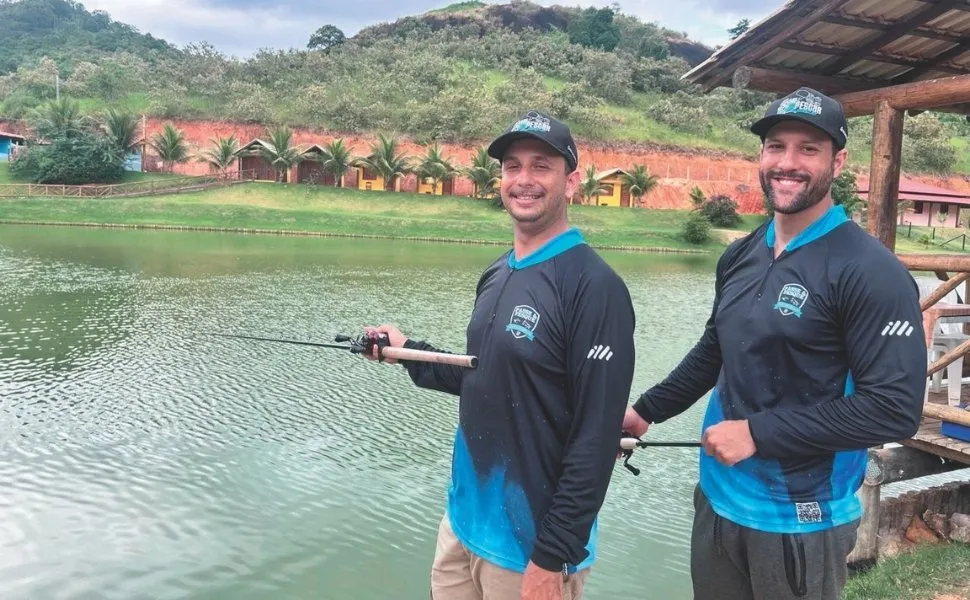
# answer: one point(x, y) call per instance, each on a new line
point(522, 323)
point(791, 300)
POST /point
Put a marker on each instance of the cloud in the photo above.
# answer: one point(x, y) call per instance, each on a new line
point(240, 27)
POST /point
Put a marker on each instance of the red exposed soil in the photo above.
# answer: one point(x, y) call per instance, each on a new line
point(679, 169)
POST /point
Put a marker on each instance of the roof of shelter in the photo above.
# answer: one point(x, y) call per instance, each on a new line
point(920, 192)
point(839, 46)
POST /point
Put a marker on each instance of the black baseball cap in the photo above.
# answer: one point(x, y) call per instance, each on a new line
point(545, 128)
point(809, 106)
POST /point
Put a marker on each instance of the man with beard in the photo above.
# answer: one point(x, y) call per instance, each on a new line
point(539, 418)
point(815, 353)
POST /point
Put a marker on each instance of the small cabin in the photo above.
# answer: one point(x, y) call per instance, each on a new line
point(250, 160)
point(446, 187)
point(7, 143)
point(310, 170)
point(617, 193)
point(371, 180)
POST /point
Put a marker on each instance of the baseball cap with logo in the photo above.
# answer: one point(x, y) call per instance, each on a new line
point(809, 106)
point(543, 128)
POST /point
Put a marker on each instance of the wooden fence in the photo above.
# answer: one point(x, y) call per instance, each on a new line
point(148, 187)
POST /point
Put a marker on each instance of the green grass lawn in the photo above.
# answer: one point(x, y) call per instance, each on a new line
point(351, 212)
point(921, 575)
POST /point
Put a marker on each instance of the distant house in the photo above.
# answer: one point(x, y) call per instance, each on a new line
point(249, 159)
point(445, 188)
point(617, 193)
point(930, 206)
point(8, 141)
point(370, 180)
point(310, 169)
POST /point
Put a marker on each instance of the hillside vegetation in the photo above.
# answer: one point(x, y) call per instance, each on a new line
point(458, 73)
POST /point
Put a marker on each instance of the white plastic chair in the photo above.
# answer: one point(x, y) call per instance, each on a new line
point(947, 336)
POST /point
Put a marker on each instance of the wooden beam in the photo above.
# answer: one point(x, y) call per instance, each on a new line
point(933, 63)
point(887, 144)
point(880, 57)
point(948, 453)
point(862, 23)
point(935, 262)
point(784, 81)
point(947, 287)
point(945, 360)
point(796, 26)
point(927, 13)
point(891, 465)
point(925, 94)
point(947, 413)
point(866, 549)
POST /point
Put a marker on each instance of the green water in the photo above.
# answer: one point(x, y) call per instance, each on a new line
point(141, 459)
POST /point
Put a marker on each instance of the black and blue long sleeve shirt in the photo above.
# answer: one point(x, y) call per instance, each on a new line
point(540, 417)
point(822, 351)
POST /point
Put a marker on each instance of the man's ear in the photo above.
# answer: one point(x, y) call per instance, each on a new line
point(839, 162)
point(572, 184)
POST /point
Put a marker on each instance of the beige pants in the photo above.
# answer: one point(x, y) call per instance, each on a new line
point(457, 574)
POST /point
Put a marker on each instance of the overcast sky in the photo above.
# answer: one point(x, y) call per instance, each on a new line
point(239, 27)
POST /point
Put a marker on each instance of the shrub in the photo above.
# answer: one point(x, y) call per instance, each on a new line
point(85, 157)
point(697, 229)
point(721, 211)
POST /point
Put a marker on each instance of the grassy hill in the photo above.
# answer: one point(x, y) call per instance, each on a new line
point(453, 74)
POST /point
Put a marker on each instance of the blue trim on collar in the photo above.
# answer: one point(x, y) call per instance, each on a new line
point(832, 218)
point(557, 245)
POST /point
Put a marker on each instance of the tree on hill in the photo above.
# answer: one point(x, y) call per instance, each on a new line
point(485, 173)
point(739, 29)
point(640, 182)
point(591, 187)
point(222, 154)
point(385, 160)
point(75, 150)
point(595, 28)
point(336, 160)
point(326, 37)
point(280, 151)
point(435, 167)
point(170, 146)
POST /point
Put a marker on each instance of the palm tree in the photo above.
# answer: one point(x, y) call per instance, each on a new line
point(485, 173)
point(435, 167)
point(58, 118)
point(640, 183)
point(335, 161)
point(222, 153)
point(170, 146)
point(385, 160)
point(591, 186)
point(280, 151)
point(122, 128)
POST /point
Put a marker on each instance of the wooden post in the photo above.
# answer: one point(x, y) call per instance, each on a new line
point(866, 550)
point(889, 465)
point(887, 143)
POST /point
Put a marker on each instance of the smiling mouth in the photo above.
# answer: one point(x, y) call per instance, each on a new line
point(787, 182)
point(527, 197)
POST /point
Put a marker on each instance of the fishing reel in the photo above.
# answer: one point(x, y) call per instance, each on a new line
point(627, 453)
point(365, 343)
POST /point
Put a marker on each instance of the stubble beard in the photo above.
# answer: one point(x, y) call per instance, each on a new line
point(812, 195)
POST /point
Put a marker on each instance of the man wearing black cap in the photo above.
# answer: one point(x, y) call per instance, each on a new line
point(815, 353)
point(539, 418)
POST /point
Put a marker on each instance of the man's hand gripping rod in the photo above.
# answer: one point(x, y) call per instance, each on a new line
point(628, 442)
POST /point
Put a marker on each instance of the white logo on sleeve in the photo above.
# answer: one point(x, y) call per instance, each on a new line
point(897, 328)
point(599, 352)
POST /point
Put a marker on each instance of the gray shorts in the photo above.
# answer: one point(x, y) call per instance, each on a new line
point(731, 562)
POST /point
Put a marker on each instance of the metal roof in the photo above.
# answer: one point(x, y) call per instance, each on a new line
point(841, 45)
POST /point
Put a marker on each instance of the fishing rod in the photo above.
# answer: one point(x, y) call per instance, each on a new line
point(628, 442)
point(365, 344)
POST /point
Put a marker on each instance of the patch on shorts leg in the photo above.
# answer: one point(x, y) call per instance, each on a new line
point(808, 512)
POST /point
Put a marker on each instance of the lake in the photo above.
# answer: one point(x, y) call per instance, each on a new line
point(143, 458)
